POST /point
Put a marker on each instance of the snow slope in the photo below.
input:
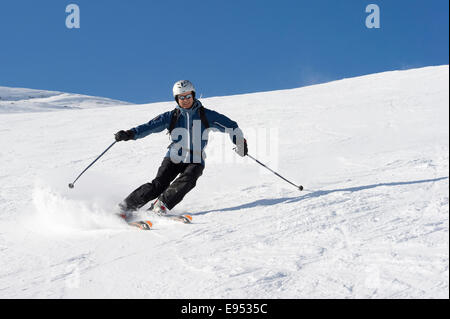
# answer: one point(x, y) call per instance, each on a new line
point(15, 100)
point(371, 152)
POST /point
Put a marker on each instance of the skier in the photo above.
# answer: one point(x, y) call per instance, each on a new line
point(186, 125)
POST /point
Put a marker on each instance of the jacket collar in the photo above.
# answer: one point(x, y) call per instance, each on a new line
point(191, 110)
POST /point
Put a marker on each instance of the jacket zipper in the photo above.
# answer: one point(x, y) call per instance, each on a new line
point(189, 133)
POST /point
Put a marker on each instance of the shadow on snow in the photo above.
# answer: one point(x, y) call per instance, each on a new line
point(315, 194)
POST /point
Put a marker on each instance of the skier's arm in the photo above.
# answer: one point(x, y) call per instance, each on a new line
point(226, 125)
point(158, 124)
point(155, 125)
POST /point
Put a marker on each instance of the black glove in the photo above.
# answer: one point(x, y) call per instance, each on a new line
point(241, 148)
point(124, 135)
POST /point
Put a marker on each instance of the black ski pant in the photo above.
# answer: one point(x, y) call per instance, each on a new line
point(161, 187)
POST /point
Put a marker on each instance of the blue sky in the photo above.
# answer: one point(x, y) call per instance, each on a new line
point(135, 50)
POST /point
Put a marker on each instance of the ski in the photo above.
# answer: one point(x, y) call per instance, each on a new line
point(142, 224)
point(185, 219)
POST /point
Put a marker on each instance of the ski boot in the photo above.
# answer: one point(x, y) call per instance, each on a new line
point(159, 208)
point(125, 212)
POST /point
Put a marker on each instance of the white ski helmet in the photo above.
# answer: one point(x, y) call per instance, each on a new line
point(183, 86)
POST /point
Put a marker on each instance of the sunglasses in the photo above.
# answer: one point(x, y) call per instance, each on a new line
point(181, 97)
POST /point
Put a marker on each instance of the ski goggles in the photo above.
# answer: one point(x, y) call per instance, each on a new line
point(183, 97)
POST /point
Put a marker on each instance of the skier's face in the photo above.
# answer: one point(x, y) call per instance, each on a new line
point(187, 102)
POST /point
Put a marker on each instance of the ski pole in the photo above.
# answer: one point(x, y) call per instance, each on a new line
point(299, 187)
point(71, 185)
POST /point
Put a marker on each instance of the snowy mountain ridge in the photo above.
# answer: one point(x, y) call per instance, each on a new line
point(15, 100)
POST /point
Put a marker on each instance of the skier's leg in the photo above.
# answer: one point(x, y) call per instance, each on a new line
point(145, 193)
point(182, 185)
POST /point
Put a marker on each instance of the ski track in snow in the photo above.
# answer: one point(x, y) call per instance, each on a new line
point(372, 153)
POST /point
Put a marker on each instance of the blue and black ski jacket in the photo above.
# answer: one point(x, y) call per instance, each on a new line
point(189, 134)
